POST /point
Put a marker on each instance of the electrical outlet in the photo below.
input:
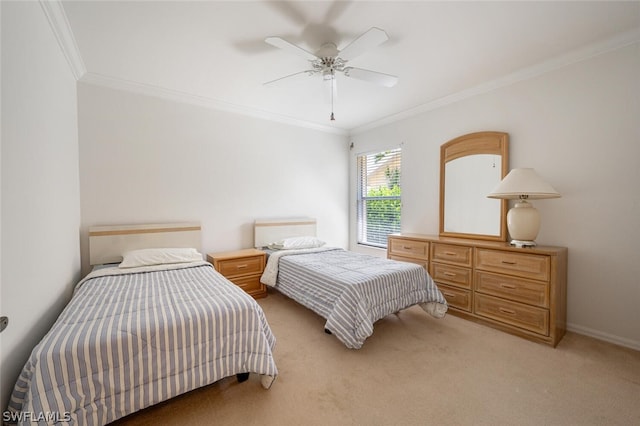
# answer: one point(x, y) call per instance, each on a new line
point(4, 322)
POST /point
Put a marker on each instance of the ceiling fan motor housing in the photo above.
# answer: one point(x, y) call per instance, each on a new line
point(328, 61)
point(328, 50)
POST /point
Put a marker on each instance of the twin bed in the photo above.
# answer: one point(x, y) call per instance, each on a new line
point(350, 290)
point(153, 321)
point(132, 337)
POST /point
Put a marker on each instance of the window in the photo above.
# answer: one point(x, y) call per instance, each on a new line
point(378, 210)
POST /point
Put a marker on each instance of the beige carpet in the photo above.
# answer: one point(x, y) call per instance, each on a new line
point(417, 370)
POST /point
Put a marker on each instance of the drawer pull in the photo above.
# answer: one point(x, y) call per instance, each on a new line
point(450, 253)
point(506, 262)
point(449, 274)
point(242, 266)
point(450, 295)
point(407, 247)
point(507, 311)
point(509, 286)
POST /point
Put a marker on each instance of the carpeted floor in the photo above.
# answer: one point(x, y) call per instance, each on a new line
point(417, 370)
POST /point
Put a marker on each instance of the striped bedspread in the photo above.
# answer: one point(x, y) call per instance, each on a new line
point(352, 290)
point(128, 340)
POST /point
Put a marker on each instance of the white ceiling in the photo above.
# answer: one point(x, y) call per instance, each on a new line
point(215, 52)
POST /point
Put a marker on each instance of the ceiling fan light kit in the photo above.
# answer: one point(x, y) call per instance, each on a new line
point(328, 60)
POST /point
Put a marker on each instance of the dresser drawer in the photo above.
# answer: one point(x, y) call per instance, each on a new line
point(449, 253)
point(518, 289)
point(241, 266)
point(420, 262)
point(454, 275)
point(456, 297)
point(512, 313)
point(508, 262)
point(408, 248)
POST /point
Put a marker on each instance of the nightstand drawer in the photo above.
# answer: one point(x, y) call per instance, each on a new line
point(251, 285)
point(516, 314)
point(508, 262)
point(453, 275)
point(450, 253)
point(241, 266)
point(409, 248)
point(456, 298)
point(518, 289)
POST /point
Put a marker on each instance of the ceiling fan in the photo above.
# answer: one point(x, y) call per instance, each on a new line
point(328, 60)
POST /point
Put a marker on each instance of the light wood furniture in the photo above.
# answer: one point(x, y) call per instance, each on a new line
point(243, 268)
point(522, 291)
point(470, 167)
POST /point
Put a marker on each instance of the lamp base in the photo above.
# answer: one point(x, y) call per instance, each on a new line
point(522, 243)
point(523, 222)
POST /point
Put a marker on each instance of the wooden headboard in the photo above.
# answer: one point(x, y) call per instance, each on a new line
point(108, 243)
point(267, 231)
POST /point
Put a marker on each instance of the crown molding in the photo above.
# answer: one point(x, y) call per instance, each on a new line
point(57, 18)
point(58, 22)
point(578, 55)
point(183, 97)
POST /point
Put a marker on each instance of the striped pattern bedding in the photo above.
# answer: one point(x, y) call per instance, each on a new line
point(128, 340)
point(353, 290)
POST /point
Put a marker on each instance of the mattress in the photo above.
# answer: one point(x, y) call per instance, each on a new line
point(129, 339)
point(352, 290)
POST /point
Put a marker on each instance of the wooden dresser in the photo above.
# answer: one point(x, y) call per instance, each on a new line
point(522, 291)
point(242, 267)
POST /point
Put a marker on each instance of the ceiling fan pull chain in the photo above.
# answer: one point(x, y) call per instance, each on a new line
point(333, 79)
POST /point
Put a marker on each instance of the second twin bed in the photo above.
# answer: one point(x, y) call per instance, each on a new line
point(350, 290)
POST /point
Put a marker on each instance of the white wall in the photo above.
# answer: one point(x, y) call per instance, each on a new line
point(579, 127)
point(147, 159)
point(40, 185)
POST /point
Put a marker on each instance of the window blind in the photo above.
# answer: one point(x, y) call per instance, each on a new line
point(379, 196)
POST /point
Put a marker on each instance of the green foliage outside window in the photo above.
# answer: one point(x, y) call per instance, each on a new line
point(383, 214)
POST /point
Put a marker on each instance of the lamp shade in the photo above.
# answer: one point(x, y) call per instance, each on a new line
point(523, 183)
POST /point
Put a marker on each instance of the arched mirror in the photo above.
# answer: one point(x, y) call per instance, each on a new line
point(470, 167)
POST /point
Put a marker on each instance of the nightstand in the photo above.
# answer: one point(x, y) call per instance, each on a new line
point(243, 268)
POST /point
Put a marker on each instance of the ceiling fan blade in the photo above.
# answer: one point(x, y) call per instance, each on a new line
point(370, 39)
point(290, 47)
point(336, 9)
point(379, 78)
point(297, 74)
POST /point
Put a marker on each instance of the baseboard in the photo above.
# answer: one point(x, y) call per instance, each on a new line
point(617, 340)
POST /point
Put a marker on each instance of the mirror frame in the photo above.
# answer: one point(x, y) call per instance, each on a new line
point(496, 143)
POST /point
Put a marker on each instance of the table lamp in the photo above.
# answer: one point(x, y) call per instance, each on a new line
point(523, 220)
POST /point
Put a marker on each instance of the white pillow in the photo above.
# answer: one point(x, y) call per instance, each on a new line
point(297, 243)
point(159, 256)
